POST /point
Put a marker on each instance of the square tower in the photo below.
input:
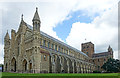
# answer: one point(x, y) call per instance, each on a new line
point(88, 48)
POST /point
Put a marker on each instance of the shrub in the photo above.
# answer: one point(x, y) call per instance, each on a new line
point(96, 71)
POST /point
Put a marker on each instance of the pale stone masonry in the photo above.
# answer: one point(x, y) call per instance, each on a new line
point(32, 51)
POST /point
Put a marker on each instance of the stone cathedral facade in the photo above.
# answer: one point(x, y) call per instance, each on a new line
point(32, 51)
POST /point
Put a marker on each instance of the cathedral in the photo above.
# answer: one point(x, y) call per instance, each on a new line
point(30, 50)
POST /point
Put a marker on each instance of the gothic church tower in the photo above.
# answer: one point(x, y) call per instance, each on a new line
point(36, 42)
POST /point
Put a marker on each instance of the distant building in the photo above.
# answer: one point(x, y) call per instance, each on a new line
point(96, 58)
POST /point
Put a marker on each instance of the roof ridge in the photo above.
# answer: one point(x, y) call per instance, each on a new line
point(61, 42)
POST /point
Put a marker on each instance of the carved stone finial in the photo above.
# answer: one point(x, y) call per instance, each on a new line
point(36, 9)
point(22, 17)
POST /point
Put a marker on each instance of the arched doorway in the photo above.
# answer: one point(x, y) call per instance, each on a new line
point(13, 65)
point(24, 65)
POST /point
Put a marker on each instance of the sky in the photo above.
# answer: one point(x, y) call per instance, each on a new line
point(71, 21)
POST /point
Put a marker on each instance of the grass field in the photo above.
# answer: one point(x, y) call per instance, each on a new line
point(64, 75)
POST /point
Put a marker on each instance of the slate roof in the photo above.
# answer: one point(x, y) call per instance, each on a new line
point(56, 40)
point(101, 54)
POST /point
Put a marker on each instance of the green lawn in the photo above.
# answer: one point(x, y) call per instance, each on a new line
point(64, 75)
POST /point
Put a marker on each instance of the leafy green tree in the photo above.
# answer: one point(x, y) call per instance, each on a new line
point(1, 65)
point(112, 65)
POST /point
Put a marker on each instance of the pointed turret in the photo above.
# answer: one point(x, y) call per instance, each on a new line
point(7, 36)
point(110, 49)
point(36, 21)
point(36, 16)
point(22, 21)
point(7, 39)
point(22, 17)
point(22, 25)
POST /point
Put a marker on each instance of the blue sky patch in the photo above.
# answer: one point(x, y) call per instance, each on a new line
point(63, 29)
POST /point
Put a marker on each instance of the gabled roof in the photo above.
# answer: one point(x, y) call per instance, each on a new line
point(60, 42)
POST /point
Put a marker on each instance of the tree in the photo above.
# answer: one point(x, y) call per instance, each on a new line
point(1, 65)
point(112, 65)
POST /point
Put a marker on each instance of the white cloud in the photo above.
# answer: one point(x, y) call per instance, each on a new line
point(53, 12)
point(103, 31)
point(1, 53)
point(115, 55)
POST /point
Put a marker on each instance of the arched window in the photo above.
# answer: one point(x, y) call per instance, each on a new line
point(48, 44)
point(59, 48)
point(44, 43)
point(56, 47)
point(62, 50)
point(35, 25)
point(52, 46)
point(44, 57)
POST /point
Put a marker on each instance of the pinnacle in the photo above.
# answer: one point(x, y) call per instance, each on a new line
point(22, 17)
point(109, 46)
point(36, 15)
point(7, 35)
